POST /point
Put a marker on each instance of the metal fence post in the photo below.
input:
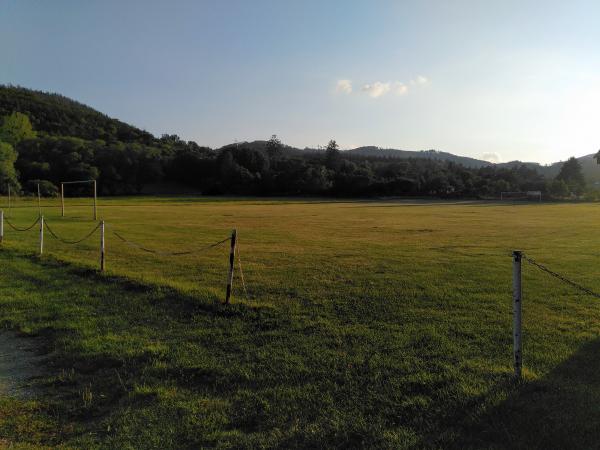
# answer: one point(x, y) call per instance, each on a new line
point(39, 200)
point(62, 199)
point(517, 300)
point(41, 235)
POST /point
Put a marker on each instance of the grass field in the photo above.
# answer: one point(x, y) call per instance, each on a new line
point(367, 324)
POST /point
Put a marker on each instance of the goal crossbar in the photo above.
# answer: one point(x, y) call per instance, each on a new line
point(75, 182)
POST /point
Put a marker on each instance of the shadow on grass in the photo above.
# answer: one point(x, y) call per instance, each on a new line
point(560, 410)
point(179, 304)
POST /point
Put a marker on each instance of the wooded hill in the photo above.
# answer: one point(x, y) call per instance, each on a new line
point(67, 140)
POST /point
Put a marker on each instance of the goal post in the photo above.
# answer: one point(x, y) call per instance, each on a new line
point(62, 195)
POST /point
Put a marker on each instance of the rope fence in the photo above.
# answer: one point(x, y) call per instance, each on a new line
point(14, 227)
point(44, 225)
point(68, 242)
point(518, 256)
point(161, 253)
point(560, 277)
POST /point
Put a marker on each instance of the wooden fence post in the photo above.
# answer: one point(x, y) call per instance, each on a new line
point(41, 235)
point(102, 247)
point(1, 225)
point(231, 266)
point(62, 199)
point(517, 297)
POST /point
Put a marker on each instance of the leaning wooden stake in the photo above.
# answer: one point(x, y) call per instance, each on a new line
point(231, 265)
point(1, 225)
point(102, 249)
point(517, 297)
point(41, 235)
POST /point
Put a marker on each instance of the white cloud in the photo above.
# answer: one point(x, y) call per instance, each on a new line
point(420, 81)
point(343, 87)
point(400, 88)
point(491, 157)
point(376, 89)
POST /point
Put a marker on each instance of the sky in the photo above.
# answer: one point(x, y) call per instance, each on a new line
point(495, 80)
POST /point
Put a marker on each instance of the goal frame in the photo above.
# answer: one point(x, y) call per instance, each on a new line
point(62, 195)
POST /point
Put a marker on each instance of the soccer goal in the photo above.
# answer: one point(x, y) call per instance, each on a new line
point(525, 195)
point(62, 194)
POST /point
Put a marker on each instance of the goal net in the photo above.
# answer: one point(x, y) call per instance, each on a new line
point(79, 188)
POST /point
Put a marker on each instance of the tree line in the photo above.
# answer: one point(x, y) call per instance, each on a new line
point(28, 157)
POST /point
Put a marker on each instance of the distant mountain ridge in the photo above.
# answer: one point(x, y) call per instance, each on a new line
point(56, 114)
point(591, 170)
point(427, 154)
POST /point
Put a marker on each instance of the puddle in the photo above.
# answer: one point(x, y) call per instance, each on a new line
point(20, 361)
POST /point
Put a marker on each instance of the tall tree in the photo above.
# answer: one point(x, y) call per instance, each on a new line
point(8, 174)
point(274, 147)
point(332, 155)
point(16, 127)
point(572, 175)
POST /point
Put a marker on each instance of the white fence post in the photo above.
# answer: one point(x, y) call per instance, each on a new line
point(102, 244)
point(62, 199)
point(517, 297)
point(41, 235)
point(39, 200)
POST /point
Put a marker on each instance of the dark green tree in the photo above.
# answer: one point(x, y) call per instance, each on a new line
point(8, 174)
point(572, 175)
point(333, 157)
point(15, 128)
point(274, 147)
point(558, 188)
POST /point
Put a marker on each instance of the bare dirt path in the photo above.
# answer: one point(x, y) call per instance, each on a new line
point(20, 361)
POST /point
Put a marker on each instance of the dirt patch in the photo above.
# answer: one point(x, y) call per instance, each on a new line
point(20, 362)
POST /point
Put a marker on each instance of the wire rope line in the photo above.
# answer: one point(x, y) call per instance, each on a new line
point(560, 277)
point(157, 252)
point(14, 227)
point(65, 241)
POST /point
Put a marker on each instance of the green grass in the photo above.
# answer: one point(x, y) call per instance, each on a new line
point(368, 324)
